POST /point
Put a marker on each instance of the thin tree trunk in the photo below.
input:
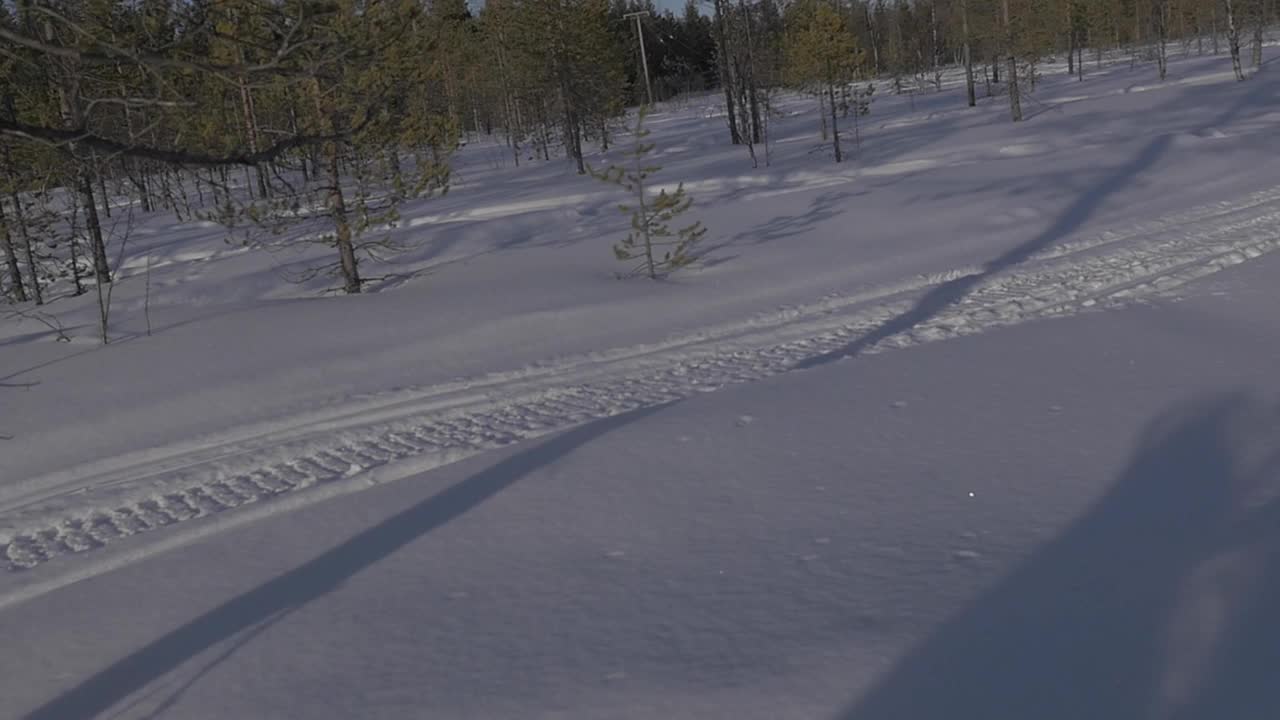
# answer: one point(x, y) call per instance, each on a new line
point(1213, 27)
point(507, 102)
point(97, 247)
point(1071, 53)
point(1257, 34)
point(543, 131)
point(347, 263)
point(1015, 102)
point(1160, 16)
point(195, 176)
point(643, 210)
point(1233, 40)
point(572, 124)
point(822, 113)
point(968, 55)
point(11, 259)
point(875, 39)
point(933, 22)
point(75, 256)
point(1199, 30)
point(835, 127)
point(752, 90)
point(726, 78)
point(28, 251)
point(138, 178)
point(69, 107)
point(293, 127)
point(166, 191)
point(341, 226)
point(102, 193)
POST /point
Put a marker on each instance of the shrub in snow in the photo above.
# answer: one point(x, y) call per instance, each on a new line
point(660, 249)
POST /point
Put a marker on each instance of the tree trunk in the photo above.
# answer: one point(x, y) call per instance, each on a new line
point(1213, 28)
point(1015, 102)
point(138, 178)
point(749, 77)
point(11, 259)
point(1233, 40)
point(1257, 34)
point(347, 263)
point(1160, 16)
point(97, 247)
point(937, 72)
point(507, 102)
point(822, 114)
point(69, 107)
point(726, 78)
point(75, 256)
point(835, 127)
point(643, 224)
point(544, 137)
point(102, 193)
point(341, 227)
point(968, 55)
point(29, 253)
point(875, 40)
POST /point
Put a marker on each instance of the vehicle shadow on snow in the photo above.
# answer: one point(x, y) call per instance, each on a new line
point(250, 613)
point(1159, 603)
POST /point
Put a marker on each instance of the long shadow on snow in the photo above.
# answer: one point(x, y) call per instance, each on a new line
point(297, 587)
point(1158, 603)
point(949, 293)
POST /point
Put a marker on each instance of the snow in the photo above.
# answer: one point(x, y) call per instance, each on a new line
point(512, 486)
point(1001, 524)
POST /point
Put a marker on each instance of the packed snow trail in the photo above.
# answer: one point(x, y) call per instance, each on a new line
point(46, 518)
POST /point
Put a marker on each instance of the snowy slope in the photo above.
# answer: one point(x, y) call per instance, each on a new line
point(950, 222)
point(516, 267)
point(1069, 518)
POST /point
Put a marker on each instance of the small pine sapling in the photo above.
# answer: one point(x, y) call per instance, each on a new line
point(651, 233)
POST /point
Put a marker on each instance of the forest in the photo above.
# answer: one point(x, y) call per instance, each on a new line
point(311, 121)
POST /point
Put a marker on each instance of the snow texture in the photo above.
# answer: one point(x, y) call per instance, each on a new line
point(508, 486)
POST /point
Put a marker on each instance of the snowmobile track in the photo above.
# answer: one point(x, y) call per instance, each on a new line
point(446, 423)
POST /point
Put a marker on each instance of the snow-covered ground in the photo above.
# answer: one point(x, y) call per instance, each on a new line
point(1069, 518)
point(758, 489)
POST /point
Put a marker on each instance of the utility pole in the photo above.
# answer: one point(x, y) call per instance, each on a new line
point(644, 60)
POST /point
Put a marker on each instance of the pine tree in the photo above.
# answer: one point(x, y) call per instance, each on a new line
point(650, 216)
point(822, 56)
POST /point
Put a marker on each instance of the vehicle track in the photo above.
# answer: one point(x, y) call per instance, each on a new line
point(451, 421)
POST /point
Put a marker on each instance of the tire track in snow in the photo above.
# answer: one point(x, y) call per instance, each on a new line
point(1143, 261)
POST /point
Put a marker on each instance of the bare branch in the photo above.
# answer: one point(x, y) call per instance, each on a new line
point(65, 139)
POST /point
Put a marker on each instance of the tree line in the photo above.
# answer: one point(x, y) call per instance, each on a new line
point(314, 120)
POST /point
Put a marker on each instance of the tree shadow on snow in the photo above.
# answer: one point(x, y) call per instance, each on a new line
point(949, 293)
point(1158, 604)
point(275, 599)
point(823, 208)
point(1254, 96)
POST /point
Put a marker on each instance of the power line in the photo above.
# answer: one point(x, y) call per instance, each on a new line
point(644, 60)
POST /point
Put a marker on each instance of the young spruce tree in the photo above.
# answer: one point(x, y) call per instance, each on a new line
point(650, 216)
